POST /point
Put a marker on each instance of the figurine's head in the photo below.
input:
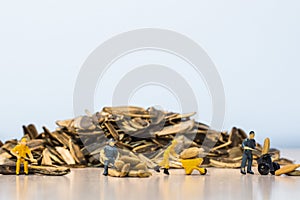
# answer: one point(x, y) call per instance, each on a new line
point(111, 142)
point(23, 141)
point(251, 135)
point(174, 142)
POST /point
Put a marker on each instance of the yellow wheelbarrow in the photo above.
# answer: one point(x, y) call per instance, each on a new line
point(193, 164)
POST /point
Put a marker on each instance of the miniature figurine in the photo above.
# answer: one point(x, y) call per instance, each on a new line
point(248, 145)
point(20, 151)
point(165, 162)
point(109, 155)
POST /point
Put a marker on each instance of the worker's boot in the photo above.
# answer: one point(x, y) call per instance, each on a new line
point(105, 173)
point(243, 171)
point(156, 168)
point(166, 171)
point(250, 172)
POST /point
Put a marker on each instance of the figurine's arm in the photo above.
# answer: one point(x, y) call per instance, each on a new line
point(28, 152)
point(14, 152)
point(173, 152)
point(116, 153)
point(243, 144)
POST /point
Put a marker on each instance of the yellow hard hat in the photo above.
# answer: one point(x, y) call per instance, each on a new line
point(24, 139)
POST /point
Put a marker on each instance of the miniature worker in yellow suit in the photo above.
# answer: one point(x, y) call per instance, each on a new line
point(165, 162)
point(20, 151)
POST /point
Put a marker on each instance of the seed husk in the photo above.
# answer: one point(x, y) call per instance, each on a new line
point(76, 153)
point(266, 146)
point(119, 164)
point(294, 173)
point(286, 169)
point(189, 153)
point(146, 160)
point(132, 161)
point(46, 158)
point(219, 164)
point(66, 155)
point(184, 126)
point(112, 130)
point(125, 170)
point(33, 169)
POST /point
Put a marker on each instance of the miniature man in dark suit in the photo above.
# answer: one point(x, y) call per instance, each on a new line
point(248, 146)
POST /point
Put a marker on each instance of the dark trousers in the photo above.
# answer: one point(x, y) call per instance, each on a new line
point(247, 155)
point(106, 164)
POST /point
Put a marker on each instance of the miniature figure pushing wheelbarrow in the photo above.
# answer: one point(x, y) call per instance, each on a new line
point(188, 158)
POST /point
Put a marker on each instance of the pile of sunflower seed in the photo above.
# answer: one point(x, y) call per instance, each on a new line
point(144, 132)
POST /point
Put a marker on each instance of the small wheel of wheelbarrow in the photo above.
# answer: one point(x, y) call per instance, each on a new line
point(263, 168)
point(205, 171)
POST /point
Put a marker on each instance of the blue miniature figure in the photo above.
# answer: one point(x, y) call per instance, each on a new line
point(248, 146)
point(110, 154)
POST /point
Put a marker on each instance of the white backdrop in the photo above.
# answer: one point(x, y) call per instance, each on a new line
point(254, 44)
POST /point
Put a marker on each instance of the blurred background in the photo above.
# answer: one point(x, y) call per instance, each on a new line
point(254, 44)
